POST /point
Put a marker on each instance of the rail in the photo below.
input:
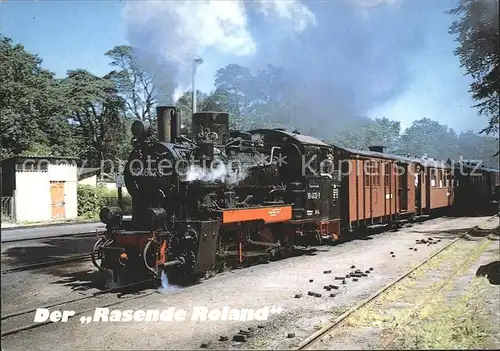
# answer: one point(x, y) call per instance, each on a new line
point(315, 337)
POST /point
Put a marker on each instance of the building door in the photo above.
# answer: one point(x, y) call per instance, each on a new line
point(57, 199)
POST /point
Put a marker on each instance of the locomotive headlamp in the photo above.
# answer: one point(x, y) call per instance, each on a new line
point(110, 215)
point(139, 129)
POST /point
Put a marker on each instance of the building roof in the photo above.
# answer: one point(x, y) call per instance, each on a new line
point(38, 157)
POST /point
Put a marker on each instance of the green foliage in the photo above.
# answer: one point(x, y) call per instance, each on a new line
point(90, 201)
point(110, 198)
point(185, 105)
point(478, 38)
point(97, 112)
point(133, 83)
point(89, 116)
point(381, 132)
point(427, 137)
point(32, 108)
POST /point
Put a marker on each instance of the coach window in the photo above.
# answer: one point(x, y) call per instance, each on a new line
point(376, 174)
point(368, 173)
point(440, 173)
point(387, 173)
point(433, 178)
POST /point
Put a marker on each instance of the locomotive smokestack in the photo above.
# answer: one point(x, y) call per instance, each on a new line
point(164, 118)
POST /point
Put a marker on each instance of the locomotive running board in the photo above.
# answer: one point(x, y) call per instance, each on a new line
point(267, 214)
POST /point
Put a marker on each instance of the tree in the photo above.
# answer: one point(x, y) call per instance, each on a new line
point(185, 105)
point(132, 82)
point(235, 91)
point(478, 51)
point(383, 132)
point(97, 111)
point(428, 137)
point(31, 107)
point(472, 146)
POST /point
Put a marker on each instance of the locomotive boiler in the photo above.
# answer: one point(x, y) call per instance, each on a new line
point(216, 197)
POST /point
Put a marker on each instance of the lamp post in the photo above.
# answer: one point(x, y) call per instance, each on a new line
point(197, 61)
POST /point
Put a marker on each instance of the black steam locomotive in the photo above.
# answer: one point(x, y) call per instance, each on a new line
point(217, 197)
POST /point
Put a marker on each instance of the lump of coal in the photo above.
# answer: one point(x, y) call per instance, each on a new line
point(297, 296)
point(290, 335)
point(223, 338)
point(239, 337)
point(247, 333)
point(327, 272)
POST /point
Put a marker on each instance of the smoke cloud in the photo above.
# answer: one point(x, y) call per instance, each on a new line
point(343, 58)
point(169, 35)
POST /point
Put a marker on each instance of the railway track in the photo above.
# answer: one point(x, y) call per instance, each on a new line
point(75, 235)
point(66, 305)
point(315, 338)
point(51, 263)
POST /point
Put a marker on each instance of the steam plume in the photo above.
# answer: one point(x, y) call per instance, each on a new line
point(169, 35)
point(220, 172)
point(343, 58)
point(166, 287)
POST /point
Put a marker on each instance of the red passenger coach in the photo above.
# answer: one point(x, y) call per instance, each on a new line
point(380, 188)
point(436, 185)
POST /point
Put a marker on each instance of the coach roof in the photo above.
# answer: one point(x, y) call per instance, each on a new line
point(375, 154)
point(303, 139)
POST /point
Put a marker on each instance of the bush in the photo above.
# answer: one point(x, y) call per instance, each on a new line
point(111, 199)
point(92, 199)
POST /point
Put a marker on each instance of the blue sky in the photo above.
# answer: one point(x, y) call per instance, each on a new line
point(76, 34)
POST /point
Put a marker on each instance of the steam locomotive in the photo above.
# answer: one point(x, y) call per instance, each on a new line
point(217, 197)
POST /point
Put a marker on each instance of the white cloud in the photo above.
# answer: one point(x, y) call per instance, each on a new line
point(293, 10)
point(375, 3)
